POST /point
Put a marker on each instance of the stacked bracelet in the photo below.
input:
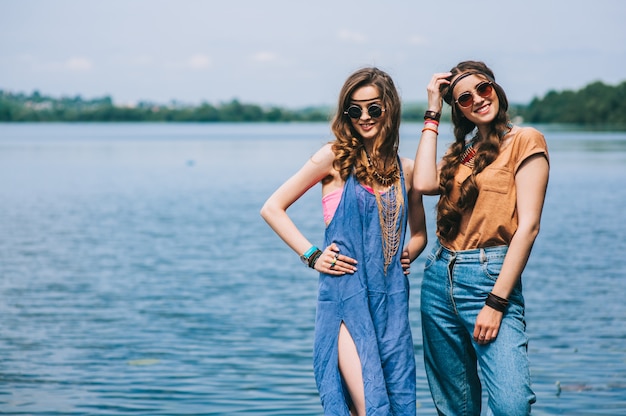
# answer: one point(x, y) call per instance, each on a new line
point(428, 128)
point(313, 258)
point(432, 115)
point(310, 256)
point(496, 302)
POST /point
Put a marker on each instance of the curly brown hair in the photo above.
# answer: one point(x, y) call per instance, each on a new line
point(449, 213)
point(348, 146)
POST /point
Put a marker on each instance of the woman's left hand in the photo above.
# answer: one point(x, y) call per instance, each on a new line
point(487, 325)
point(406, 262)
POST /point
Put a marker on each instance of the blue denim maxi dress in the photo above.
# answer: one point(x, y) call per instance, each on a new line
point(374, 308)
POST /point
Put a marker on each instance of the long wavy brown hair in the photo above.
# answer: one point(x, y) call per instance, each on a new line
point(487, 149)
point(348, 146)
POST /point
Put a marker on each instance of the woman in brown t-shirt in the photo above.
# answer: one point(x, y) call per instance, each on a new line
point(492, 183)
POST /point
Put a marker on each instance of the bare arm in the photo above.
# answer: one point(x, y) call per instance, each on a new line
point(426, 173)
point(531, 182)
point(274, 212)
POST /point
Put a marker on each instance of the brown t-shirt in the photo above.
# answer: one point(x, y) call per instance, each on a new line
point(493, 221)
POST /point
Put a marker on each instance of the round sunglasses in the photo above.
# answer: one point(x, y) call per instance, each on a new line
point(374, 110)
point(484, 90)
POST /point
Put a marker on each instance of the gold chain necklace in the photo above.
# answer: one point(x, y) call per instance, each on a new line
point(390, 204)
point(387, 179)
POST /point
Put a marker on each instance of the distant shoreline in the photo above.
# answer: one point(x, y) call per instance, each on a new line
point(597, 107)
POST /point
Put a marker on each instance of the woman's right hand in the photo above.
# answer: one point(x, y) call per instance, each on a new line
point(435, 99)
point(331, 262)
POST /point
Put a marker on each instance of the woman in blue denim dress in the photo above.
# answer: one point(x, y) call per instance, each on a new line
point(363, 354)
point(492, 183)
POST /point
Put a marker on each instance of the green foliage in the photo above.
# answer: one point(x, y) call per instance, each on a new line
point(597, 105)
point(38, 108)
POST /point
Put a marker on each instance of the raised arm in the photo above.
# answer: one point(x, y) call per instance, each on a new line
point(426, 172)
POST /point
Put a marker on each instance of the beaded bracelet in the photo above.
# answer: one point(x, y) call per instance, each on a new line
point(428, 128)
point(432, 115)
point(496, 302)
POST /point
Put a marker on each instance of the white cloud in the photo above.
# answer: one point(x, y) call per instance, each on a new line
point(199, 61)
point(352, 37)
point(264, 56)
point(78, 64)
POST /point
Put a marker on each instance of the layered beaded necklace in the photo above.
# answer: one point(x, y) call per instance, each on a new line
point(467, 158)
point(469, 151)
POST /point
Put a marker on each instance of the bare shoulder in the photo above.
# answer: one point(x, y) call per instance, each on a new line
point(323, 164)
point(324, 156)
point(407, 168)
point(407, 165)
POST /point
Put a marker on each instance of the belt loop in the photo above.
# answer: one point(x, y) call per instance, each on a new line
point(483, 256)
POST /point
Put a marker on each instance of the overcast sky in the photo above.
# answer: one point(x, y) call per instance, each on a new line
point(293, 53)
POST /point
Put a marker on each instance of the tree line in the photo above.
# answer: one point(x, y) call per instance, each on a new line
point(40, 108)
point(595, 106)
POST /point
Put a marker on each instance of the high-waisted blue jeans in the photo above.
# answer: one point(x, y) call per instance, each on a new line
point(454, 290)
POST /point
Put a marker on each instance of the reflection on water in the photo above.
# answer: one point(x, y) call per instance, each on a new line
point(136, 276)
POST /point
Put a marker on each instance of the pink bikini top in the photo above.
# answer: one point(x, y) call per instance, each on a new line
point(331, 200)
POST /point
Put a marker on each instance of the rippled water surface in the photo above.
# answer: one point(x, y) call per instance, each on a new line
point(137, 277)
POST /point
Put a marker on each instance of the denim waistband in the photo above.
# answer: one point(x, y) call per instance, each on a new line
point(477, 254)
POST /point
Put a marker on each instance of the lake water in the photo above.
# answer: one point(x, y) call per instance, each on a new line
point(137, 277)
